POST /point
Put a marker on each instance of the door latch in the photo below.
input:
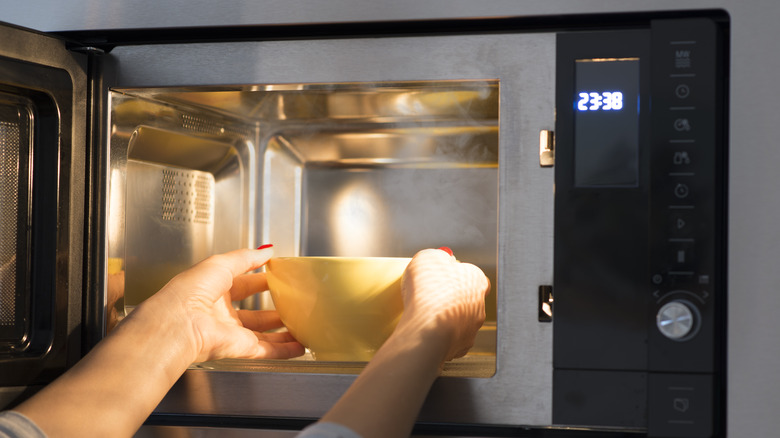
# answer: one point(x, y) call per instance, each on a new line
point(546, 148)
point(545, 303)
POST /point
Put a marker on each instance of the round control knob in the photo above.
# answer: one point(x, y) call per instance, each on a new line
point(677, 320)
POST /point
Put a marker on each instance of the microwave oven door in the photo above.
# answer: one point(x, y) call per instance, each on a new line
point(42, 147)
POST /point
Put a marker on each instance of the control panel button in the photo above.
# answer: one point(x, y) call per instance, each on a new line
point(681, 254)
point(677, 320)
point(682, 91)
point(682, 57)
point(680, 225)
point(682, 124)
point(680, 405)
point(681, 190)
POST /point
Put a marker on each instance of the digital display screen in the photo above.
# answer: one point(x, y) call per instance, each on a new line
point(606, 122)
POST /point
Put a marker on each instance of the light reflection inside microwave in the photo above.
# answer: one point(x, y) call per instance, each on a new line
point(116, 219)
point(356, 213)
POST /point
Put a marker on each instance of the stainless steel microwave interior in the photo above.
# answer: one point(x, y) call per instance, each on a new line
point(337, 169)
point(582, 169)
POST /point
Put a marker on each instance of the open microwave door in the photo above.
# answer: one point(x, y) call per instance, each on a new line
point(43, 95)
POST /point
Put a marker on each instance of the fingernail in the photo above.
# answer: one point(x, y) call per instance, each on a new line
point(447, 250)
point(267, 245)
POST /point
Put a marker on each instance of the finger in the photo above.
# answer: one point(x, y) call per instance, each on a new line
point(277, 337)
point(240, 260)
point(479, 277)
point(286, 350)
point(247, 285)
point(447, 250)
point(436, 254)
point(260, 320)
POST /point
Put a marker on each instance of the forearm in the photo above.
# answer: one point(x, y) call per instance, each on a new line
point(118, 384)
point(385, 399)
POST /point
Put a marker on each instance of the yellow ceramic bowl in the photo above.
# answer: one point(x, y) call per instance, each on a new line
point(340, 308)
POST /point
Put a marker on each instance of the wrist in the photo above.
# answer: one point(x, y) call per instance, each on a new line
point(165, 326)
point(427, 338)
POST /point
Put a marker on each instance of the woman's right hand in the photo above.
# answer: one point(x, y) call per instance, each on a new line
point(444, 306)
point(445, 299)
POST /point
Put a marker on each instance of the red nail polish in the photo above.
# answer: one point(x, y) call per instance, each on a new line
point(267, 245)
point(447, 250)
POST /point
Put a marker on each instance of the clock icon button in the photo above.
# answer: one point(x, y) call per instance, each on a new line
point(681, 191)
point(682, 91)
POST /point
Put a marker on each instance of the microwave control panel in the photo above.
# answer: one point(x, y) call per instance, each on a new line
point(640, 208)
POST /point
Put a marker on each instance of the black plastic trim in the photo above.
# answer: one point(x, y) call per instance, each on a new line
point(426, 429)
point(107, 39)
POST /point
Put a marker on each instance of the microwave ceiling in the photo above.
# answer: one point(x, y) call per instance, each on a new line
point(475, 101)
point(350, 124)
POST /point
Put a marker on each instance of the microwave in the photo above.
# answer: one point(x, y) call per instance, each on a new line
point(580, 160)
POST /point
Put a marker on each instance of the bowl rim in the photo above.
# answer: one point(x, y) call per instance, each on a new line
point(338, 258)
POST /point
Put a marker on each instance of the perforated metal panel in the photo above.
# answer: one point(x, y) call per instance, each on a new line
point(9, 210)
point(187, 196)
point(171, 218)
point(16, 118)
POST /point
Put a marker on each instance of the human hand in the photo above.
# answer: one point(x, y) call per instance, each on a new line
point(446, 298)
point(201, 297)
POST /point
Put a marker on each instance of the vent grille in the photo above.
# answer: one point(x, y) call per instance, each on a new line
point(187, 196)
point(198, 124)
